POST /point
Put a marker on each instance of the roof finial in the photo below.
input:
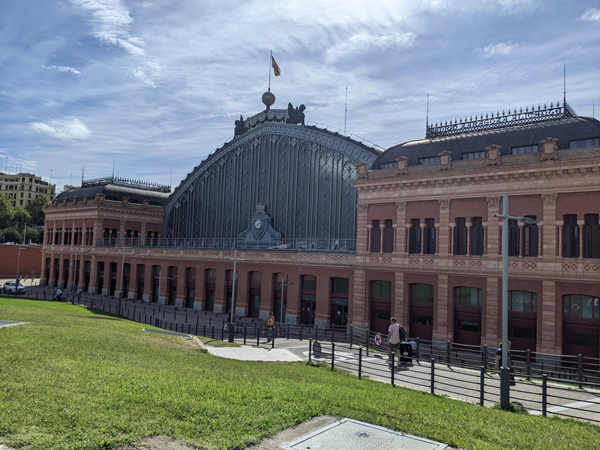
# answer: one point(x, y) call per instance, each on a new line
point(564, 84)
point(427, 115)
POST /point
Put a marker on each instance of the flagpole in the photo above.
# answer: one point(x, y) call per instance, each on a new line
point(270, 63)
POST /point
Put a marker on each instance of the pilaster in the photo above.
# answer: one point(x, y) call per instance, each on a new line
point(361, 228)
point(359, 300)
point(444, 239)
point(493, 313)
point(548, 238)
point(442, 329)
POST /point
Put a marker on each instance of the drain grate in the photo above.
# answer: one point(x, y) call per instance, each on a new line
point(348, 434)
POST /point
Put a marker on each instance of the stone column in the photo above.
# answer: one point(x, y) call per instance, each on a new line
point(122, 231)
point(400, 235)
point(540, 228)
point(266, 294)
point(452, 234)
point(119, 284)
point(181, 286)
point(492, 232)
point(164, 282)
point(362, 236)
point(97, 232)
point(442, 329)
point(369, 234)
point(92, 289)
point(468, 238)
point(220, 291)
point(485, 237)
point(381, 233)
point(241, 293)
point(148, 280)
point(71, 279)
point(143, 231)
point(399, 303)
point(106, 286)
point(437, 238)
point(133, 277)
point(199, 298)
point(395, 228)
point(550, 228)
point(521, 239)
point(444, 238)
point(61, 271)
point(493, 312)
point(360, 316)
point(580, 225)
point(322, 307)
point(43, 280)
point(550, 341)
point(422, 246)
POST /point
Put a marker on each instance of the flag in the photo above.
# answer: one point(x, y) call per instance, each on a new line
point(276, 69)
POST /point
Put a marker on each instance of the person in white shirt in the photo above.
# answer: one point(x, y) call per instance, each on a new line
point(394, 339)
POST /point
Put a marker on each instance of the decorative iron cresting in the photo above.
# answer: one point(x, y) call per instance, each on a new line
point(500, 120)
point(127, 182)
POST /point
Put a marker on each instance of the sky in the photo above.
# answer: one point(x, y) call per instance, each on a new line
point(157, 85)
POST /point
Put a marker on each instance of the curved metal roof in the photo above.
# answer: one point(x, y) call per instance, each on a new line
point(565, 130)
point(116, 193)
point(351, 148)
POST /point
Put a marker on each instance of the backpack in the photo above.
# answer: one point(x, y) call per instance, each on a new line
point(402, 332)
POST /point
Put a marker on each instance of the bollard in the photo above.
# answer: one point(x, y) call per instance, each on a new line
point(392, 367)
point(204, 330)
point(332, 355)
point(367, 335)
point(485, 356)
point(209, 321)
point(288, 331)
point(197, 319)
point(360, 363)
point(544, 394)
point(332, 334)
point(274, 331)
point(351, 336)
point(257, 335)
point(245, 332)
point(164, 310)
point(186, 317)
point(196, 329)
point(174, 315)
point(213, 332)
point(301, 331)
point(481, 385)
point(528, 364)
point(432, 387)
point(448, 349)
point(309, 350)
point(418, 347)
point(222, 332)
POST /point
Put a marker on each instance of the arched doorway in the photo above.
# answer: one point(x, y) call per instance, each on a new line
point(308, 299)
point(254, 290)
point(190, 286)
point(581, 325)
point(339, 301)
point(210, 277)
point(522, 320)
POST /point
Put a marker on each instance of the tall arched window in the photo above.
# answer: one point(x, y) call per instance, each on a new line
point(421, 310)
point(381, 305)
point(467, 315)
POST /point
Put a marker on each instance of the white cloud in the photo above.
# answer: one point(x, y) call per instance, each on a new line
point(362, 43)
point(498, 49)
point(111, 21)
point(591, 15)
point(67, 128)
point(65, 69)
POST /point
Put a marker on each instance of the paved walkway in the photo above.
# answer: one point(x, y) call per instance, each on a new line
point(247, 353)
point(7, 323)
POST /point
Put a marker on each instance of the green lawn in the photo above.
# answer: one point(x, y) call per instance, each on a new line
point(77, 379)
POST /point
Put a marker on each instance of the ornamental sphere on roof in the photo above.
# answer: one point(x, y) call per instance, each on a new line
point(268, 98)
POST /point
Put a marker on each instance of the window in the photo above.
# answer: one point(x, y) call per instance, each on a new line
point(530, 238)
point(429, 238)
point(581, 306)
point(460, 236)
point(476, 238)
point(389, 165)
point(414, 236)
point(375, 237)
point(582, 143)
point(591, 236)
point(525, 149)
point(340, 286)
point(467, 297)
point(308, 283)
point(513, 238)
point(388, 236)
point(381, 289)
point(570, 236)
point(473, 155)
point(522, 301)
point(422, 293)
point(429, 161)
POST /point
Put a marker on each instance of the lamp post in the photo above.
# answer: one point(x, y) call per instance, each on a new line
point(505, 369)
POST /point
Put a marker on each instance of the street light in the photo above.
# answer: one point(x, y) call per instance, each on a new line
point(505, 370)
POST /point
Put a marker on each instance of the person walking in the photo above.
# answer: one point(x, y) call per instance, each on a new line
point(394, 340)
point(270, 325)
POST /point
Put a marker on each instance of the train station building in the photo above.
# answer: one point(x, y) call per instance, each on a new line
point(327, 228)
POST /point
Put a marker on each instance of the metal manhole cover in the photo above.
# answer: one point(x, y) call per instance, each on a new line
point(348, 434)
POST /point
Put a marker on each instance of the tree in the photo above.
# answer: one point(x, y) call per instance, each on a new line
point(35, 208)
point(6, 212)
point(11, 235)
point(32, 235)
point(20, 217)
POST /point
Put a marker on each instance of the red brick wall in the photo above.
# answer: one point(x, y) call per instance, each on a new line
point(31, 259)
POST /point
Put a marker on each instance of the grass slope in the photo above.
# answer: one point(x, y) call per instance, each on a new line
point(78, 379)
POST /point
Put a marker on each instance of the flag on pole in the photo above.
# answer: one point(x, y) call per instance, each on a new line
point(276, 69)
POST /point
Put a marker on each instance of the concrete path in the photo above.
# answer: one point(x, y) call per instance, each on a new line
point(247, 353)
point(7, 323)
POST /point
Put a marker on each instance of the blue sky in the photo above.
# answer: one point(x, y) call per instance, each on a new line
point(157, 85)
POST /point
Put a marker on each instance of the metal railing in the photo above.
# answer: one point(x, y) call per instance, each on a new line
point(297, 244)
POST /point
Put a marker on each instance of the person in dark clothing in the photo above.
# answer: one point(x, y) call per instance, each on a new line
point(509, 363)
